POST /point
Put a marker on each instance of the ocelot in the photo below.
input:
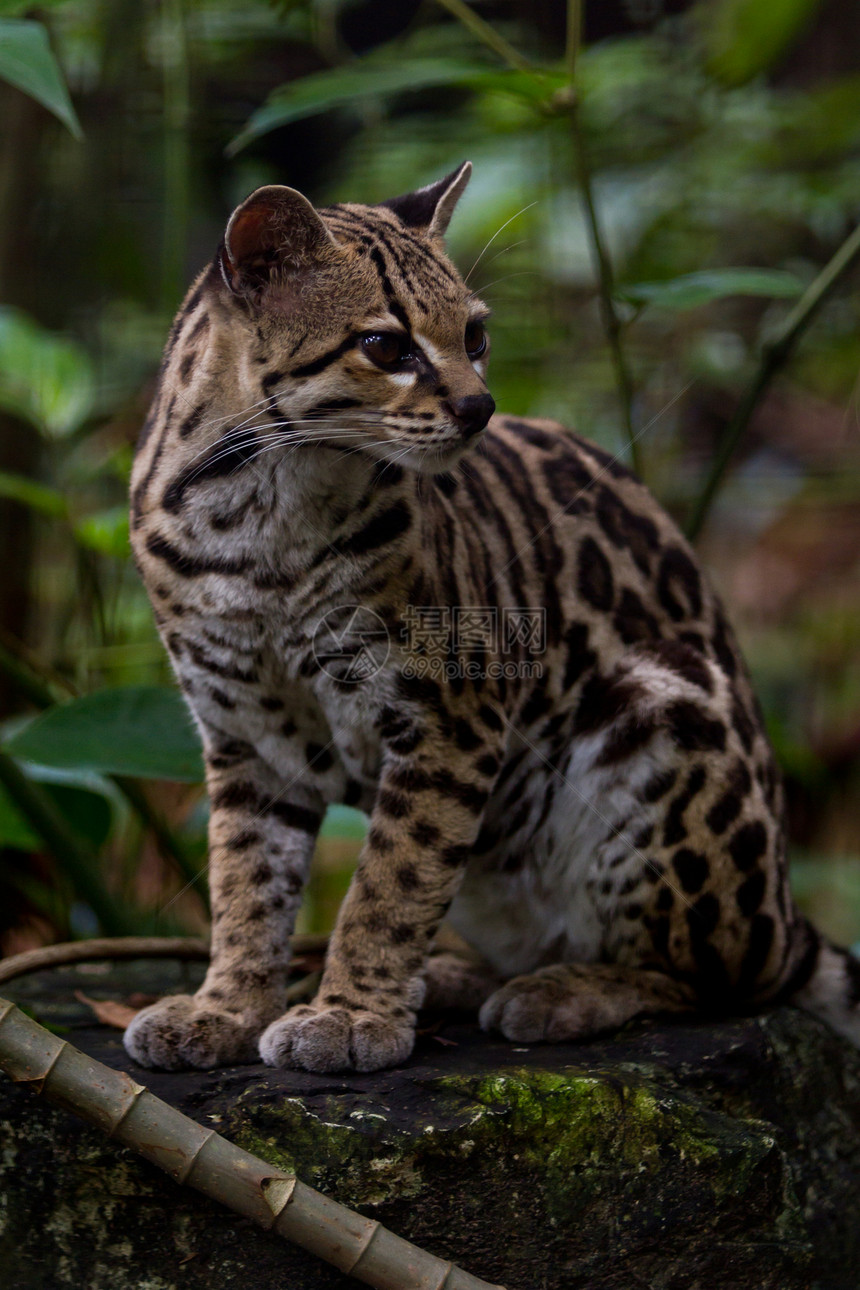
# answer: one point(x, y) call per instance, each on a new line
point(483, 631)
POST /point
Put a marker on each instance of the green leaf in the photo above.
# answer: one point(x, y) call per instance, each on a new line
point(45, 379)
point(106, 532)
point(816, 125)
point(14, 829)
point(88, 813)
point(26, 61)
point(12, 8)
point(746, 37)
point(39, 497)
point(375, 78)
point(88, 810)
point(141, 730)
point(693, 289)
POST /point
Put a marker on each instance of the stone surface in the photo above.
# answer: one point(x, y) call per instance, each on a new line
point(668, 1156)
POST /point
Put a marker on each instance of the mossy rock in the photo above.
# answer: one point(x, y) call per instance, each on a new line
point(669, 1156)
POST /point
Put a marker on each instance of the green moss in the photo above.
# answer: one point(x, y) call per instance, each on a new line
point(580, 1133)
point(347, 1152)
point(612, 1143)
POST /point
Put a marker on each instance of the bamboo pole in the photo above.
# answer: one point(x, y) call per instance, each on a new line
point(277, 1201)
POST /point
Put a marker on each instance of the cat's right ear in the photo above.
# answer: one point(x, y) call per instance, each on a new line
point(273, 235)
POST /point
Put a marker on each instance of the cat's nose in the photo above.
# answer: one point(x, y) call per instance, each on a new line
point(472, 412)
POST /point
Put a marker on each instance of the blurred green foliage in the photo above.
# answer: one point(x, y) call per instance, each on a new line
point(27, 62)
point(721, 153)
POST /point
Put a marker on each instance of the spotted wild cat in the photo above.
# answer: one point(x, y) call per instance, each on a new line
point(509, 658)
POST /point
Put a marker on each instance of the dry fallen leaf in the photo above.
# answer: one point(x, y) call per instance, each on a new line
point(138, 1000)
point(109, 1011)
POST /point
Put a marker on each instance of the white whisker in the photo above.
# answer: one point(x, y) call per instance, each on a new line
point(305, 441)
point(493, 238)
point(521, 273)
point(281, 437)
point(512, 246)
point(252, 409)
point(226, 441)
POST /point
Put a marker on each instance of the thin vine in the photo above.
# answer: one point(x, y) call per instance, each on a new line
point(775, 354)
point(568, 101)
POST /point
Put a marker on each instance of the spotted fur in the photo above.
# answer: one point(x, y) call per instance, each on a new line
point(600, 817)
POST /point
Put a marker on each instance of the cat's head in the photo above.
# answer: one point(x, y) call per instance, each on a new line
point(362, 333)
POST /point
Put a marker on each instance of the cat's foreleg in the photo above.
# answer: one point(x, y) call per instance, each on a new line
point(423, 825)
point(261, 838)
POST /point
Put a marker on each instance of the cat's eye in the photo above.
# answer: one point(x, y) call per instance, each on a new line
point(387, 349)
point(475, 339)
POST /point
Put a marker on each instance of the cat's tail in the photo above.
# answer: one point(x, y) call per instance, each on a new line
point(826, 982)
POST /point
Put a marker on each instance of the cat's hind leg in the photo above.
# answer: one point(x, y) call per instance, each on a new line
point(458, 982)
point(577, 1000)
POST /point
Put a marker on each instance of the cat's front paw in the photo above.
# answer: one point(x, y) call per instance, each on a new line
point(335, 1039)
point(177, 1033)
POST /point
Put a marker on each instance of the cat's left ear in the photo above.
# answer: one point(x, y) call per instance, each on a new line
point(430, 209)
point(274, 233)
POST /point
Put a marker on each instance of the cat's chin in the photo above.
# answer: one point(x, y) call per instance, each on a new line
point(431, 461)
